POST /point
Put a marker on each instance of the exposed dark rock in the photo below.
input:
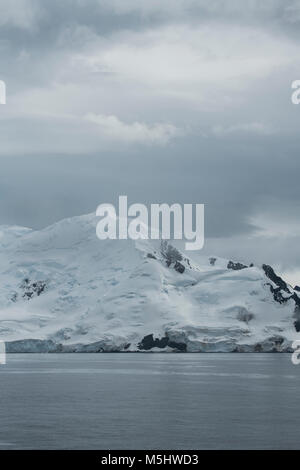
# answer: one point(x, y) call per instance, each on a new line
point(279, 297)
point(236, 266)
point(297, 318)
point(277, 294)
point(297, 288)
point(297, 325)
point(32, 289)
point(179, 267)
point(150, 255)
point(170, 253)
point(296, 299)
point(270, 273)
point(212, 261)
point(172, 256)
point(148, 342)
point(179, 346)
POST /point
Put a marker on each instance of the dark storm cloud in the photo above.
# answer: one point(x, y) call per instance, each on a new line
point(23, 21)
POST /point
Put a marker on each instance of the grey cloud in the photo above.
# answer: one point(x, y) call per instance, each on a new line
point(218, 73)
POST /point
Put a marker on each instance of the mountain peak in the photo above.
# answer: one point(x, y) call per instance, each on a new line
point(63, 289)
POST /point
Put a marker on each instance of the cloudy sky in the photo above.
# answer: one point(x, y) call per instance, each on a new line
point(163, 100)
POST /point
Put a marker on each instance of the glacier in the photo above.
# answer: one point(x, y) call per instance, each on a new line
point(64, 290)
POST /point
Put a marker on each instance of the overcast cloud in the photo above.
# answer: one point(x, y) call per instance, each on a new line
point(162, 100)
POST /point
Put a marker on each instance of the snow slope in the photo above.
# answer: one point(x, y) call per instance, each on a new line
point(62, 289)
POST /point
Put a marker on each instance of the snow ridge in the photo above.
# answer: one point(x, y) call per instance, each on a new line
point(63, 290)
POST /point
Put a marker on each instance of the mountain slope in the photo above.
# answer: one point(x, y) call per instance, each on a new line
point(62, 289)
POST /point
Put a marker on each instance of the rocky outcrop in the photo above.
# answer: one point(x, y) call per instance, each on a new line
point(282, 293)
point(30, 289)
point(179, 267)
point(148, 342)
point(236, 266)
point(270, 273)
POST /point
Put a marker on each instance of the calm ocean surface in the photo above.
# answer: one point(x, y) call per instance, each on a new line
point(149, 401)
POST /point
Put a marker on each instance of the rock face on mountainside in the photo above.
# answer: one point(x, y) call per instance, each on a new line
point(63, 290)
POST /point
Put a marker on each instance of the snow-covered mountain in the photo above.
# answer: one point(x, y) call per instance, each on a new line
point(62, 289)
